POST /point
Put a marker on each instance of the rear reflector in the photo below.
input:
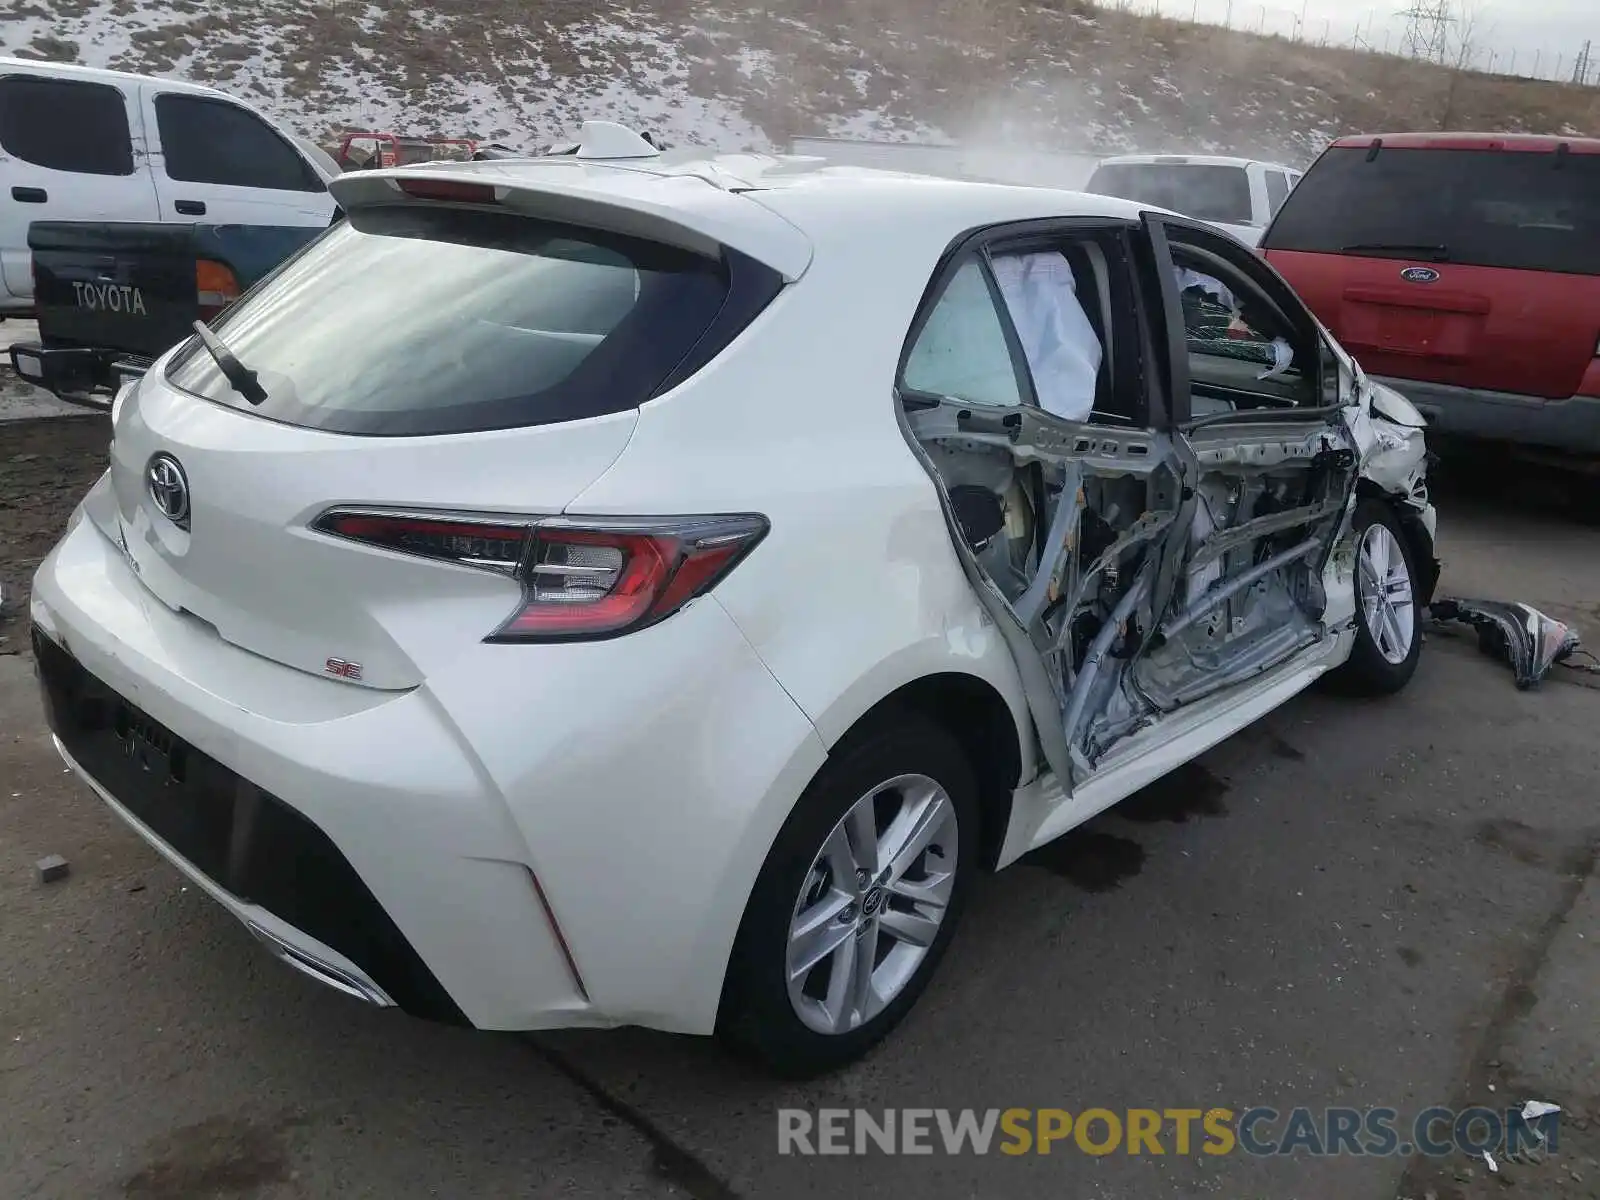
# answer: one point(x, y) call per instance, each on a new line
point(448, 190)
point(581, 579)
point(215, 287)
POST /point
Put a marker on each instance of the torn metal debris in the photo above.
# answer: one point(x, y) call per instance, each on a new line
point(1524, 637)
point(1135, 572)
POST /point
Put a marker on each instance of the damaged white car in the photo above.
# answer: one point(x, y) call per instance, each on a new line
point(665, 622)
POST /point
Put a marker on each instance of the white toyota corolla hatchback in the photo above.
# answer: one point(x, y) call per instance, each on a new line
point(621, 588)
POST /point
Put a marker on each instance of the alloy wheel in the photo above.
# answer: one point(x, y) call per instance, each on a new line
point(1384, 588)
point(872, 904)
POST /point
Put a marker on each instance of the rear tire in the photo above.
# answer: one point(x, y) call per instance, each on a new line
point(846, 872)
point(1388, 618)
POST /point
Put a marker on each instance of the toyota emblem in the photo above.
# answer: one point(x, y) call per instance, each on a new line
point(169, 488)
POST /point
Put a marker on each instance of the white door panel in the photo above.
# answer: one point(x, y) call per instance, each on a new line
point(217, 162)
point(70, 150)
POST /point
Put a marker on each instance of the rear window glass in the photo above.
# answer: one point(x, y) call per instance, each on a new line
point(1487, 208)
point(421, 320)
point(1206, 192)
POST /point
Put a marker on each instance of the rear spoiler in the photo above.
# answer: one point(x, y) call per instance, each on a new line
point(676, 210)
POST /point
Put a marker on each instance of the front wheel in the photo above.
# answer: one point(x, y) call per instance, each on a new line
point(856, 903)
point(1388, 622)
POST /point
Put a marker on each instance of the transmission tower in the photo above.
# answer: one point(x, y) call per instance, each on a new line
point(1427, 31)
point(1580, 72)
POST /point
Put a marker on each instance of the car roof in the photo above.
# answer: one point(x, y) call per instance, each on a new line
point(775, 208)
point(37, 66)
point(1534, 143)
point(1188, 160)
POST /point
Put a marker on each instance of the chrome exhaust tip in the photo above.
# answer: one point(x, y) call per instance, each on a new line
point(325, 973)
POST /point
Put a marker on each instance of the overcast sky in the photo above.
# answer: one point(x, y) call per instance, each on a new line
point(1552, 29)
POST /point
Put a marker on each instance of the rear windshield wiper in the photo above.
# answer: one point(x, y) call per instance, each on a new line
point(1435, 252)
point(239, 377)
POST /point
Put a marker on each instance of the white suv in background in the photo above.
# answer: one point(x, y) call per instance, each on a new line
point(78, 144)
point(666, 614)
point(1240, 195)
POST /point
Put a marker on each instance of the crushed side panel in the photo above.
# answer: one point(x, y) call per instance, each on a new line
point(1133, 573)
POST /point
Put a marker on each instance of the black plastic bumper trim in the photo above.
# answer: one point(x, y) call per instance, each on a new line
point(248, 842)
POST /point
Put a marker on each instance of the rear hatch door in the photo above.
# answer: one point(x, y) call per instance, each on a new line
point(420, 358)
point(248, 565)
point(1476, 268)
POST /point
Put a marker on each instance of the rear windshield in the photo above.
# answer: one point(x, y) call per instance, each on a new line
point(423, 320)
point(1487, 208)
point(1203, 191)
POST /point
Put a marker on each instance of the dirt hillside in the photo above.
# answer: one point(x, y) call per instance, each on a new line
point(1055, 73)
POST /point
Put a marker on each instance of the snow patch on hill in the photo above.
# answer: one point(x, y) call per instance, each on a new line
point(1051, 74)
point(508, 86)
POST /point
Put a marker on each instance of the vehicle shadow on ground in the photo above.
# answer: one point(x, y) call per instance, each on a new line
point(1467, 479)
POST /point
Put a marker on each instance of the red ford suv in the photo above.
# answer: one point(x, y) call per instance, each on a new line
point(1463, 270)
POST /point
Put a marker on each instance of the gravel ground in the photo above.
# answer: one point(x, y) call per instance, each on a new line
point(1360, 904)
point(20, 400)
point(46, 465)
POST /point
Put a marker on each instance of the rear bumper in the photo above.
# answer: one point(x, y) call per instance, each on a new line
point(528, 849)
point(75, 370)
point(286, 942)
point(1571, 425)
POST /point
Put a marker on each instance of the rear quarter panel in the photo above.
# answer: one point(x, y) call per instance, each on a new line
point(856, 590)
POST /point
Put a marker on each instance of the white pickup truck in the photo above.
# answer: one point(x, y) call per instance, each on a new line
point(80, 144)
point(1237, 195)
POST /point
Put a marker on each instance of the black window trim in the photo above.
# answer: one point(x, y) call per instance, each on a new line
point(1159, 308)
point(1026, 387)
point(1017, 237)
point(319, 185)
point(1283, 181)
point(98, 85)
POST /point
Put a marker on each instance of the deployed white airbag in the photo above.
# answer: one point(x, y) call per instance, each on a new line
point(1060, 345)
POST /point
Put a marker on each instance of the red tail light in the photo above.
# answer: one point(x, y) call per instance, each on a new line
point(215, 286)
point(581, 579)
point(448, 190)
